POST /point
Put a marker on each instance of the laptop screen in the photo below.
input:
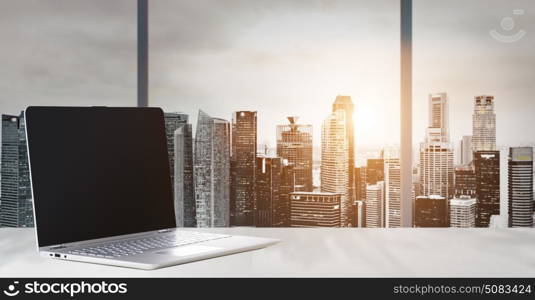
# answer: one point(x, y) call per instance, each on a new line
point(98, 172)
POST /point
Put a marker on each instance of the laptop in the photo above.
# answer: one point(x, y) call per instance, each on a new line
point(102, 190)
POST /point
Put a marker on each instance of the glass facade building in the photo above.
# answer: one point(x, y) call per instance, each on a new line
point(392, 193)
point(521, 187)
point(431, 211)
point(16, 208)
point(375, 206)
point(272, 197)
point(345, 104)
point(334, 174)
point(484, 124)
point(487, 168)
point(294, 143)
point(314, 209)
point(465, 181)
point(463, 212)
point(211, 169)
point(180, 150)
point(242, 168)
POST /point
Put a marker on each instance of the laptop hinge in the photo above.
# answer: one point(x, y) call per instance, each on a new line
point(164, 230)
point(57, 247)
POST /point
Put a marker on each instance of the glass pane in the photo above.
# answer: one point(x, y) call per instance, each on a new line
point(473, 84)
point(67, 53)
point(64, 53)
point(258, 65)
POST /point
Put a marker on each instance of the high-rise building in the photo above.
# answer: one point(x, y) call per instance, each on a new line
point(314, 209)
point(484, 124)
point(180, 150)
point(294, 143)
point(502, 220)
point(375, 205)
point(360, 214)
point(335, 161)
point(242, 168)
point(487, 168)
point(521, 187)
point(416, 190)
point(360, 183)
point(392, 193)
point(438, 118)
point(211, 168)
point(431, 211)
point(184, 192)
point(16, 194)
point(467, 154)
point(375, 170)
point(345, 104)
point(271, 204)
point(359, 208)
point(465, 181)
point(436, 154)
point(286, 188)
point(416, 184)
point(463, 212)
point(436, 169)
point(172, 121)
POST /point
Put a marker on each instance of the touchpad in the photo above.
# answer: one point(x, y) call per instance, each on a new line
point(189, 250)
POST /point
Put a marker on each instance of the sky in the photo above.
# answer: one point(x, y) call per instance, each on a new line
point(279, 58)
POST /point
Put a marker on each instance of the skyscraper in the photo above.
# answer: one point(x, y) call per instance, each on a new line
point(242, 168)
point(172, 121)
point(375, 205)
point(467, 154)
point(184, 192)
point(294, 143)
point(180, 151)
point(211, 168)
point(271, 205)
point(436, 174)
point(436, 155)
point(375, 170)
point(487, 168)
point(313, 209)
point(431, 211)
point(360, 214)
point(335, 161)
point(465, 180)
point(16, 200)
point(463, 212)
point(359, 207)
point(344, 103)
point(521, 187)
point(438, 118)
point(392, 193)
point(287, 187)
point(484, 124)
point(417, 189)
point(360, 183)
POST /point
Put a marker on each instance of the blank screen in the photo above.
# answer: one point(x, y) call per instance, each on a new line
point(98, 172)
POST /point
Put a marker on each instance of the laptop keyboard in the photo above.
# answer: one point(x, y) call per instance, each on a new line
point(142, 245)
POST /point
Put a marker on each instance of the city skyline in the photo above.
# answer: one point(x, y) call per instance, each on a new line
point(209, 160)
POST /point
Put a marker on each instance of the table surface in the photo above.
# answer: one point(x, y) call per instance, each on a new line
point(316, 252)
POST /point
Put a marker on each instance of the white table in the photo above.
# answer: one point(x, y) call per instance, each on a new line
point(318, 253)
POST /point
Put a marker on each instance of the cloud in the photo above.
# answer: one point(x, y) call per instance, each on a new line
point(277, 57)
